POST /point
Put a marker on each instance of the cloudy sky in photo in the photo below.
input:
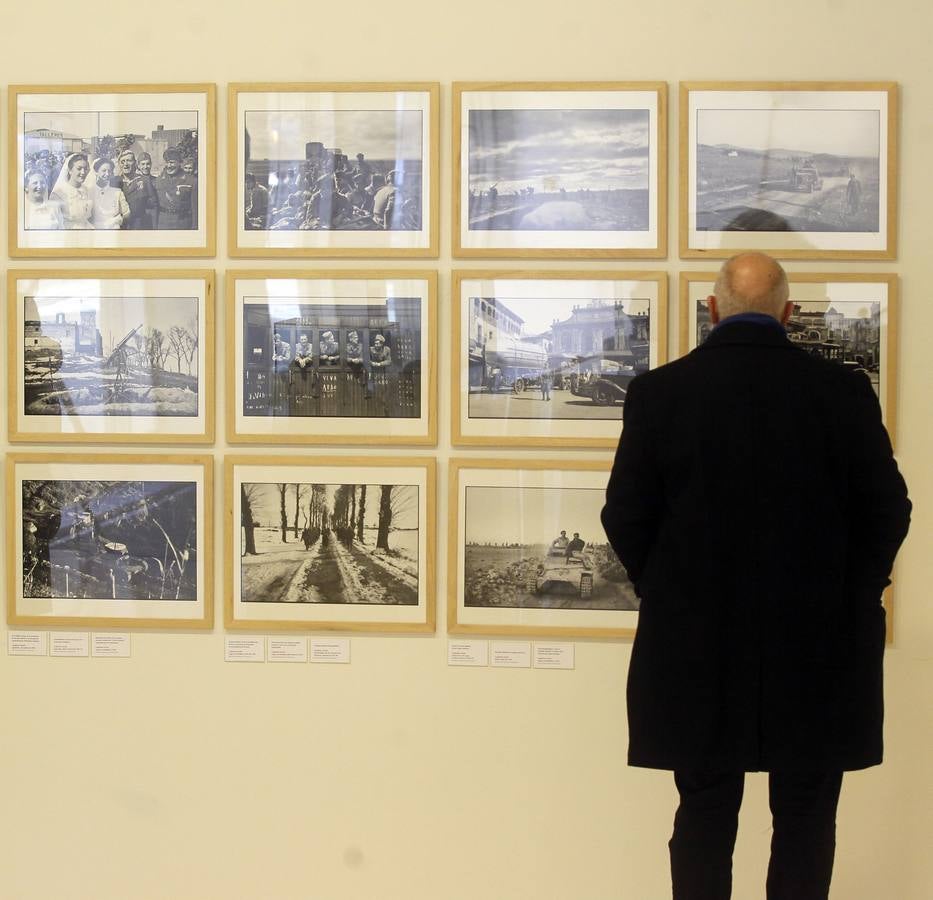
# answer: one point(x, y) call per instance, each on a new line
point(549, 149)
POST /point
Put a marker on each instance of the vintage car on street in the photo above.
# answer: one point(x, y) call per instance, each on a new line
point(606, 381)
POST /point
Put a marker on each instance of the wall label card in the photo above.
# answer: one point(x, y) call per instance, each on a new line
point(511, 654)
point(468, 653)
point(284, 649)
point(554, 656)
point(114, 646)
point(28, 643)
point(244, 649)
point(330, 650)
point(70, 643)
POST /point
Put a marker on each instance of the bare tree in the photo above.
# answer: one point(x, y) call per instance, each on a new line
point(282, 489)
point(361, 513)
point(301, 491)
point(247, 493)
point(176, 339)
point(385, 517)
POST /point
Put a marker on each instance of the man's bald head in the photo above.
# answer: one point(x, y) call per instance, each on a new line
point(751, 282)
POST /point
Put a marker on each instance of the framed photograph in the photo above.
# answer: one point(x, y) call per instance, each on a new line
point(112, 170)
point(527, 553)
point(332, 357)
point(110, 540)
point(803, 170)
point(333, 169)
point(545, 358)
point(104, 356)
point(330, 543)
point(849, 319)
point(576, 169)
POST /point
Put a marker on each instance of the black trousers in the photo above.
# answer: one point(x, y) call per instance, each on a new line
point(803, 842)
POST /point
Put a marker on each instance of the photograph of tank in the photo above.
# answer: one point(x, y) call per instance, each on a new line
point(846, 332)
point(806, 170)
point(352, 359)
point(553, 358)
point(319, 543)
point(111, 356)
point(333, 170)
point(540, 548)
point(110, 540)
point(558, 169)
point(110, 170)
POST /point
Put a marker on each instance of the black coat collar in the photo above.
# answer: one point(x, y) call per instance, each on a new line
point(746, 333)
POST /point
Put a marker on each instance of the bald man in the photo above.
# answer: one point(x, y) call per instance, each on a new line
point(757, 507)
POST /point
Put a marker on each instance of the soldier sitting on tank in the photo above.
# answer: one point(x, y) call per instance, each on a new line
point(575, 547)
point(560, 542)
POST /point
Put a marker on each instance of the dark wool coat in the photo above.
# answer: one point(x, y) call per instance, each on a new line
point(757, 508)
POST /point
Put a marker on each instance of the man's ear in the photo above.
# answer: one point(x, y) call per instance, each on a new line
point(713, 309)
point(788, 310)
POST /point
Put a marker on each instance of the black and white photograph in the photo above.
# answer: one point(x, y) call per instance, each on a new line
point(122, 171)
point(843, 318)
point(116, 539)
point(545, 360)
point(557, 168)
point(110, 356)
point(800, 163)
point(531, 550)
point(348, 357)
point(329, 540)
point(335, 169)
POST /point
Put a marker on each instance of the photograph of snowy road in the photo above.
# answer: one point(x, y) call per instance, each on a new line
point(329, 543)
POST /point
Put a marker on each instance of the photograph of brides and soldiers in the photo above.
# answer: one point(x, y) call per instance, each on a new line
point(111, 170)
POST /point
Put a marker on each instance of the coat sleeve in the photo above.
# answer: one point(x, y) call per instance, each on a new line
point(879, 511)
point(634, 495)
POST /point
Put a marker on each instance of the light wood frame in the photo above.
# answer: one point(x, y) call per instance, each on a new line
point(581, 251)
point(15, 359)
point(207, 174)
point(890, 314)
point(423, 622)
point(107, 462)
point(312, 434)
point(776, 243)
point(430, 172)
point(659, 339)
point(512, 618)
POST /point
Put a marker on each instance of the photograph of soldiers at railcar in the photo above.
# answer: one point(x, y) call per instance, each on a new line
point(111, 356)
point(780, 170)
point(352, 359)
point(132, 171)
point(110, 540)
point(540, 548)
point(847, 332)
point(558, 169)
point(554, 358)
point(329, 543)
point(336, 170)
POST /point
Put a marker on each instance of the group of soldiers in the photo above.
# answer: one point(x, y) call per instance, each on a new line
point(331, 193)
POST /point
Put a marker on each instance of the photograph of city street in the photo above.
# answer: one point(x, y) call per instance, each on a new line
point(551, 357)
point(329, 543)
point(333, 170)
point(110, 356)
point(356, 358)
point(540, 548)
point(558, 169)
point(803, 170)
point(110, 540)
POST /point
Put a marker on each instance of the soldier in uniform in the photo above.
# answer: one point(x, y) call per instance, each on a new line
point(176, 194)
point(329, 349)
point(304, 363)
point(144, 167)
point(139, 191)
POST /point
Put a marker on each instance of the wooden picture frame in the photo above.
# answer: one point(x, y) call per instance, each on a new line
point(350, 564)
point(544, 358)
point(512, 565)
point(383, 205)
point(106, 539)
point(509, 201)
point(333, 389)
point(868, 332)
point(800, 170)
point(62, 202)
point(89, 355)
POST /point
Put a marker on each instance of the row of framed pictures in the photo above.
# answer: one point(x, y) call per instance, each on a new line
point(312, 543)
point(799, 169)
point(537, 359)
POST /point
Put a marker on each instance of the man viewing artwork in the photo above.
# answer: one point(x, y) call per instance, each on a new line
point(756, 504)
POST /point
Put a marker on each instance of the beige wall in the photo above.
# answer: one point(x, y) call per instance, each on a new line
point(175, 775)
